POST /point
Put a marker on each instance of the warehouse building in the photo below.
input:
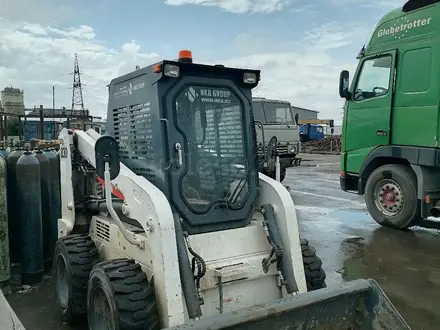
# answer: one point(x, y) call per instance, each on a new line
point(305, 113)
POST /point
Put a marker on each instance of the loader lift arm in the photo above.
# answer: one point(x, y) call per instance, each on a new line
point(139, 203)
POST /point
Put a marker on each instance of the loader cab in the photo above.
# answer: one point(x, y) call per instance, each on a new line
point(188, 129)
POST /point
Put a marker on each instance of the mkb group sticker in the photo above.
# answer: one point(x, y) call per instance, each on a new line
point(211, 95)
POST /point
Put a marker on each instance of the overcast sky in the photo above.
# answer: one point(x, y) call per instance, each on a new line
point(300, 47)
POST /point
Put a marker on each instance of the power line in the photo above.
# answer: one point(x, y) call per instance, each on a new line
point(77, 95)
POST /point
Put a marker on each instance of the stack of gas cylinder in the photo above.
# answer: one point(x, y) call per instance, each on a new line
point(30, 206)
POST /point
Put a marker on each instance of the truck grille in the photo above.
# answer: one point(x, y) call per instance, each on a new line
point(282, 149)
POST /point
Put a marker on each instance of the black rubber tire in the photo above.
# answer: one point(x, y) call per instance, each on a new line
point(74, 258)
point(403, 175)
point(282, 175)
point(126, 294)
point(315, 274)
point(273, 175)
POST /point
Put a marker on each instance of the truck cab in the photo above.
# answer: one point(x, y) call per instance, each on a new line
point(311, 132)
point(390, 135)
point(275, 123)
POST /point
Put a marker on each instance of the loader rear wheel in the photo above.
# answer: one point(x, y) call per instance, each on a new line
point(315, 274)
point(74, 258)
point(120, 297)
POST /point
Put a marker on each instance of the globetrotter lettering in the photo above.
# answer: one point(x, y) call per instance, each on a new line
point(402, 26)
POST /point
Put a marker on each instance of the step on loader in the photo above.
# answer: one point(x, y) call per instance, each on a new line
point(184, 232)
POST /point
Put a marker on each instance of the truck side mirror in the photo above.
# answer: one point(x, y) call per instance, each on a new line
point(107, 150)
point(344, 81)
point(296, 118)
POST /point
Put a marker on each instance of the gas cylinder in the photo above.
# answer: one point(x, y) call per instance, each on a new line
point(55, 193)
point(57, 153)
point(4, 152)
point(31, 231)
point(13, 207)
point(48, 246)
point(5, 270)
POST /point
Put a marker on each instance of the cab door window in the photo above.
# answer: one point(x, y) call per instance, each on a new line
point(374, 79)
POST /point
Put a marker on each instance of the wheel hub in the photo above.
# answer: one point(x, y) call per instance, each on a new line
point(61, 284)
point(389, 197)
point(100, 311)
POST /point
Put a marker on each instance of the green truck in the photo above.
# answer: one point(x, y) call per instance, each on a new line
point(391, 128)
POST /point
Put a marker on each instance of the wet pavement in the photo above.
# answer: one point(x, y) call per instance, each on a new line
point(405, 264)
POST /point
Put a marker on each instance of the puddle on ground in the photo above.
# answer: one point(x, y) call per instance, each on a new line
point(405, 266)
point(352, 250)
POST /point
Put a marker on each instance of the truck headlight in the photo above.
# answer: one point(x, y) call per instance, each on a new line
point(293, 150)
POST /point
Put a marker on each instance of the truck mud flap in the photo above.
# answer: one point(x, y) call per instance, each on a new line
point(355, 305)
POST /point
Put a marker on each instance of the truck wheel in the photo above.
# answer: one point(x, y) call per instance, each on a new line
point(120, 297)
point(391, 196)
point(315, 274)
point(282, 175)
point(74, 258)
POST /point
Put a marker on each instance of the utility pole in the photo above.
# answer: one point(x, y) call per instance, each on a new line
point(77, 96)
point(53, 113)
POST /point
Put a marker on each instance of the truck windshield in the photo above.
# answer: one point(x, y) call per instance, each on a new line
point(273, 113)
point(210, 118)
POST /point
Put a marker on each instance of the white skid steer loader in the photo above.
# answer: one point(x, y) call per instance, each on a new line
point(189, 235)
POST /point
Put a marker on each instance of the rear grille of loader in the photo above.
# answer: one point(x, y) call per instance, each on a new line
point(103, 230)
point(133, 132)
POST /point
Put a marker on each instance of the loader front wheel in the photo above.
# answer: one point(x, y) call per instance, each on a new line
point(120, 297)
point(273, 174)
point(74, 258)
point(315, 274)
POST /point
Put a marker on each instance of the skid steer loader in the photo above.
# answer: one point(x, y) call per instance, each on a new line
point(189, 234)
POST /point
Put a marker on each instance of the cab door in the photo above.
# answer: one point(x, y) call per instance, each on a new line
point(368, 115)
point(209, 125)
